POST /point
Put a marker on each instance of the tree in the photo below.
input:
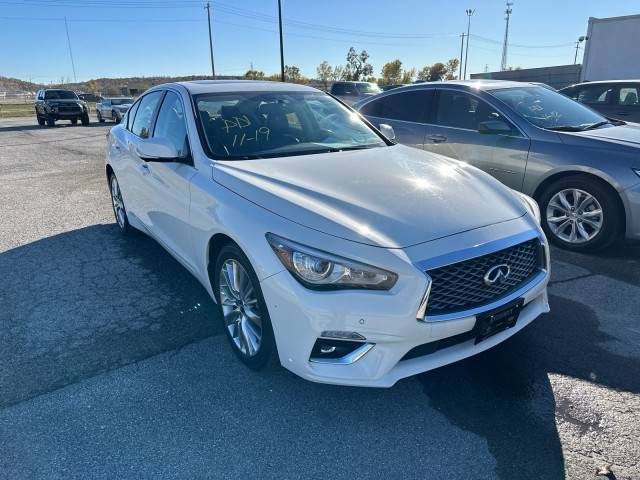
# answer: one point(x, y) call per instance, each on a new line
point(339, 73)
point(254, 75)
point(292, 74)
point(408, 75)
point(391, 73)
point(325, 74)
point(423, 74)
point(357, 66)
point(452, 69)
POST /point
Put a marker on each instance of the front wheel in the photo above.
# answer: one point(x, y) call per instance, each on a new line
point(40, 120)
point(85, 119)
point(580, 214)
point(50, 121)
point(115, 116)
point(242, 308)
point(100, 119)
point(74, 121)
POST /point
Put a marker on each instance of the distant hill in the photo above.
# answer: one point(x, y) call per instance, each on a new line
point(104, 86)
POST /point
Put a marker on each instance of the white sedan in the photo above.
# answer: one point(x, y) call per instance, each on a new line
point(355, 260)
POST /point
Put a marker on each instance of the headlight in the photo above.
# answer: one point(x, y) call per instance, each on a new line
point(324, 271)
point(531, 205)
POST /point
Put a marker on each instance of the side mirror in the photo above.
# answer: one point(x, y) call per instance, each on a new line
point(387, 131)
point(494, 127)
point(157, 150)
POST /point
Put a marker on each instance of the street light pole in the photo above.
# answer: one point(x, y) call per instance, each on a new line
point(461, 52)
point(469, 12)
point(581, 39)
point(213, 70)
point(281, 46)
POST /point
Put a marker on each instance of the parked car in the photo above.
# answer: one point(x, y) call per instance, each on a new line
point(53, 104)
point(583, 169)
point(90, 97)
point(612, 98)
point(113, 108)
point(358, 261)
point(351, 92)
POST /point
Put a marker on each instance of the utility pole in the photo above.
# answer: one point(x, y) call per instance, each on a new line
point(581, 39)
point(469, 12)
point(213, 70)
point(503, 64)
point(461, 51)
point(73, 66)
point(281, 46)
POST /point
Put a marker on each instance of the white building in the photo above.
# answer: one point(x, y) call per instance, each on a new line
point(611, 51)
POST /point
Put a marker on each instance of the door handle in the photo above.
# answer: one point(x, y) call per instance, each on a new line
point(144, 168)
point(437, 138)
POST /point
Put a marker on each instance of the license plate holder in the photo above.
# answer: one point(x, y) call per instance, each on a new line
point(498, 319)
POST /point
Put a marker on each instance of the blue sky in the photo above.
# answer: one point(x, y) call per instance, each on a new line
point(113, 38)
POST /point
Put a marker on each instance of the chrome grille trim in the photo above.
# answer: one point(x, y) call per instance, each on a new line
point(459, 287)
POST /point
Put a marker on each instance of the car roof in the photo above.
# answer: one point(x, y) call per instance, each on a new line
point(196, 87)
point(597, 82)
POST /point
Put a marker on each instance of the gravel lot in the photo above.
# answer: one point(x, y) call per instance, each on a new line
point(113, 363)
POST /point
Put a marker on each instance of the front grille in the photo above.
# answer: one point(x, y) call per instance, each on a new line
point(68, 108)
point(461, 286)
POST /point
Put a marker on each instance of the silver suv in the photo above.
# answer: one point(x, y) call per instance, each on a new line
point(352, 92)
point(583, 169)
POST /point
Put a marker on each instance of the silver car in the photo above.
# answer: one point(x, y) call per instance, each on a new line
point(113, 108)
point(582, 168)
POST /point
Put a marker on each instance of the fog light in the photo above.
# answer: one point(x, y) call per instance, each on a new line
point(337, 351)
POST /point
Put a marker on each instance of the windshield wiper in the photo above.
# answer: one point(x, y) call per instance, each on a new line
point(596, 125)
point(565, 128)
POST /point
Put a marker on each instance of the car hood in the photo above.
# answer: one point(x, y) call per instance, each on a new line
point(389, 196)
point(624, 134)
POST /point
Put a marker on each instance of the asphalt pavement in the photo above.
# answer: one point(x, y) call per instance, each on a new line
point(113, 363)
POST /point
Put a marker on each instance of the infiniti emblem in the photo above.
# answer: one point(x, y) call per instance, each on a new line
point(497, 274)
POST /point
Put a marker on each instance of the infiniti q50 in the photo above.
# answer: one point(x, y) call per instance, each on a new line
point(354, 260)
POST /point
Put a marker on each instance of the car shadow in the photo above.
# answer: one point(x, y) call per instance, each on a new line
point(65, 124)
point(505, 395)
point(89, 300)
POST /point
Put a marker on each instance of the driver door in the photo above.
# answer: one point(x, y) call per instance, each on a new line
point(455, 133)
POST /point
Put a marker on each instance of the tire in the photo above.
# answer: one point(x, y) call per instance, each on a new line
point(100, 119)
point(116, 118)
point(41, 120)
point(74, 121)
point(119, 210)
point(569, 225)
point(241, 327)
point(50, 122)
point(85, 119)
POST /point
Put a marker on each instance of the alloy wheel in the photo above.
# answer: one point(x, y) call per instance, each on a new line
point(574, 216)
point(240, 308)
point(118, 204)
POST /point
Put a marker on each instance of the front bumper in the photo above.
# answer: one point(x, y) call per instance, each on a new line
point(387, 320)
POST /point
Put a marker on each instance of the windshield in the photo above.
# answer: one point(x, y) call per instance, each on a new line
point(122, 101)
point(548, 109)
point(60, 95)
point(368, 88)
point(243, 125)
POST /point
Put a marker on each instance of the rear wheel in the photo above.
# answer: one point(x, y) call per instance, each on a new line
point(580, 213)
point(119, 209)
point(242, 308)
point(100, 119)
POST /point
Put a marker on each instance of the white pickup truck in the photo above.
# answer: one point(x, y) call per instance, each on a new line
point(113, 108)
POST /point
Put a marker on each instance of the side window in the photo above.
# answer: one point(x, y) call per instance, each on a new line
point(595, 94)
point(106, 103)
point(407, 106)
point(171, 124)
point(461, 110)
point(629, 96)
point(131, 114)
point(144, 115)
point(337, 89)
